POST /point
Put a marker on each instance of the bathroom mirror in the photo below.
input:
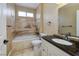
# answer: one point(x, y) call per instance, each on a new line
point(68, 19)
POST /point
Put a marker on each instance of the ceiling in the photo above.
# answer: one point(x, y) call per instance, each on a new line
point(29, 5)
point(61, 4)
point(35, 5)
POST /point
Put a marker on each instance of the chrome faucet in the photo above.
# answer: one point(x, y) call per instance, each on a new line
point(66, 36)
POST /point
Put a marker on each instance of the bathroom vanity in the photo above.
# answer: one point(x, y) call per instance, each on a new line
point(51, 48)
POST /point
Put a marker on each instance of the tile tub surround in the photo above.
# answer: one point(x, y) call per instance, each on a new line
point(72, 50)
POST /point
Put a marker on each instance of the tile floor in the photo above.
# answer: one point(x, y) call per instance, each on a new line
point(24, 52)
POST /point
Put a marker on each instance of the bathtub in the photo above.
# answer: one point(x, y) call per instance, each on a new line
point(25, 38)
point(23, 42)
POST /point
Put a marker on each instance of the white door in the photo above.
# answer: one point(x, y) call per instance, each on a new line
point(2, 29)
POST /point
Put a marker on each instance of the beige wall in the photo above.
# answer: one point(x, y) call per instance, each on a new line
point(48, 12)
point(67, 16)
point(39, 19)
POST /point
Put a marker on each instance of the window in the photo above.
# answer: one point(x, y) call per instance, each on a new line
point(25, 14)
point(21, 13)
point(30, 14)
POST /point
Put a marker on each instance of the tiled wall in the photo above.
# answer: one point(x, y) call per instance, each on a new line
point(22, 22)
point(48, 13)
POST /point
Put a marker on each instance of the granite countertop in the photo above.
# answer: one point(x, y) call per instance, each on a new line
point(72, 50)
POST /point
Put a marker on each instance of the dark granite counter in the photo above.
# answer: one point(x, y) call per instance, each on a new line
point(72, 50)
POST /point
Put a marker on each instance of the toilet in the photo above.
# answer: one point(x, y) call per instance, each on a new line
point(43, 34)
point(37, 47)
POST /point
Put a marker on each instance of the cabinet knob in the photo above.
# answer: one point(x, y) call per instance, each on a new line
point(43, 49)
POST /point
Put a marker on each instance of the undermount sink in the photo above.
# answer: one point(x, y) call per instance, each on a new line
point(63, 42)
